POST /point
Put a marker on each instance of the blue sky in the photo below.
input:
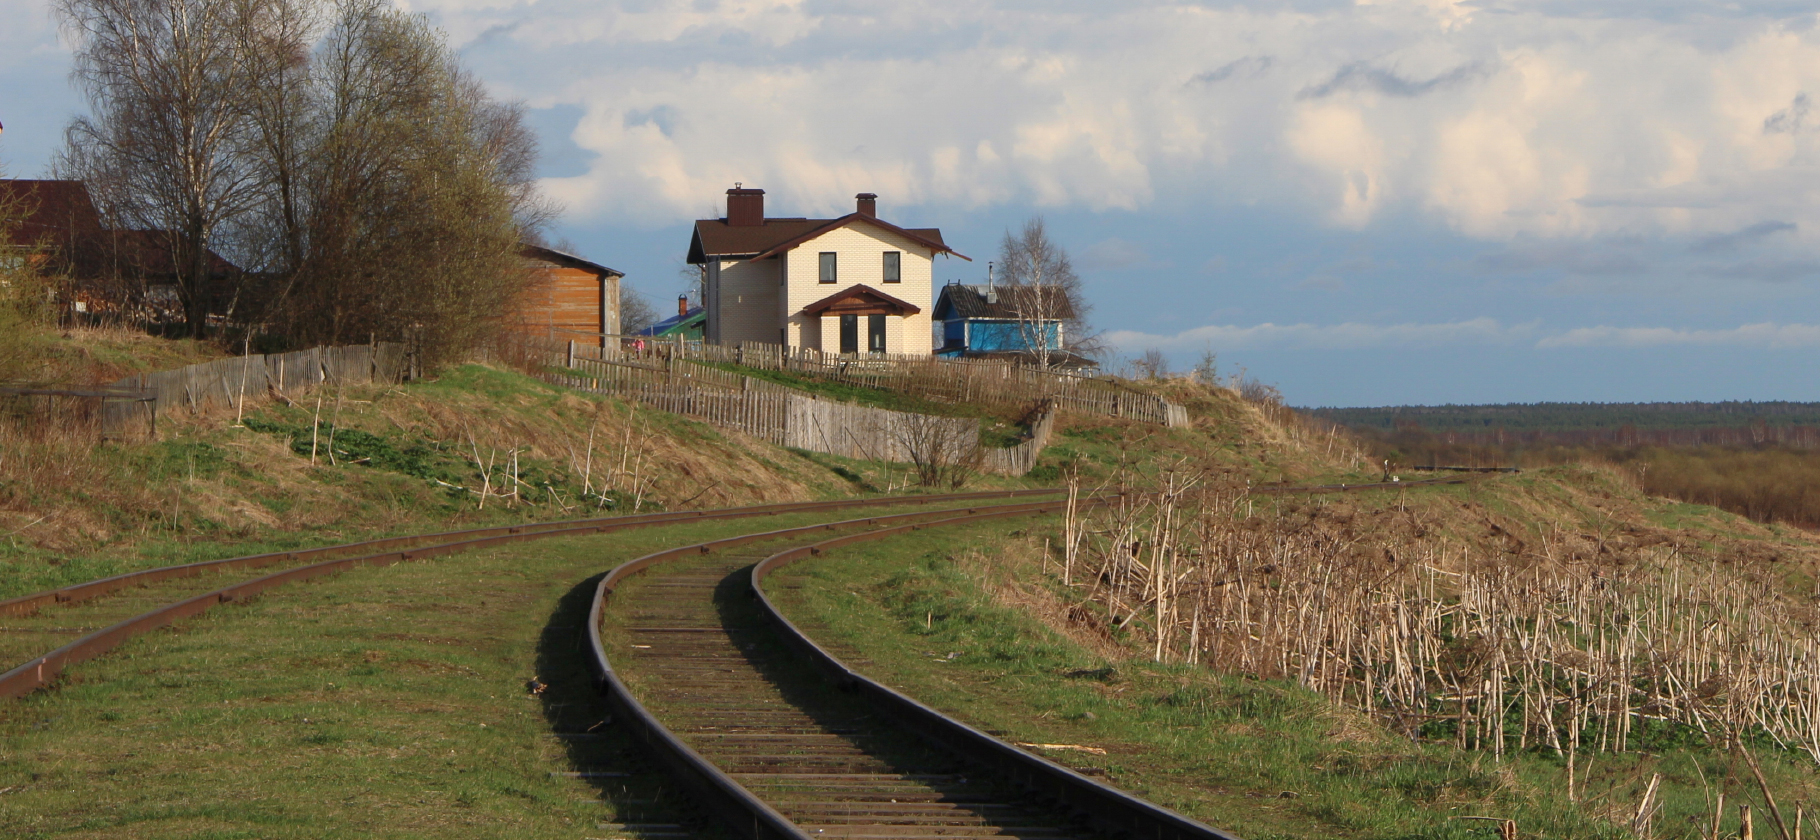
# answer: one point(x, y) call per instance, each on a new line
point(1364, 203)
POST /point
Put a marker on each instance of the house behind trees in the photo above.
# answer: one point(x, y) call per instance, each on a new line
point(102, 271)
point(853, 284)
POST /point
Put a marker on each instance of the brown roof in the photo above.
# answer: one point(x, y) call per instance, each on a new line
point(567, 260)
point(1001, 302)
point(716, 238)
point(57, 212)
point(61, 216)
point(861, 300)
point(149, 253)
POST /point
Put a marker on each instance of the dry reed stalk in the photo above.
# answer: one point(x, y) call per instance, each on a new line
point(1562, 653)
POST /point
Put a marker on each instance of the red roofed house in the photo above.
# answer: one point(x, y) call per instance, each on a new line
point(109, 271)
point(855, 284)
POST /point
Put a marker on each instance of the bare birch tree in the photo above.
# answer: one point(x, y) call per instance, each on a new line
point(1044, 293)
point(170, 84)
point(335, 146)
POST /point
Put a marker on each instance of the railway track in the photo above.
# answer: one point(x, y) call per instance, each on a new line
point(752, 714)
point(48, 631)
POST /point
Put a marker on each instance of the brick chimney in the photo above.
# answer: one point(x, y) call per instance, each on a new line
point(745, 208)
point(682, 306)
point(868, 205)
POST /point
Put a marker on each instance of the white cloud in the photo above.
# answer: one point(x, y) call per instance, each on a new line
point(1765, 335)
point(1499, 118)
point(1543, 119)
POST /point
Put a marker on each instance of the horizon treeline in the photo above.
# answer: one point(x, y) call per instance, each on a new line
point(335, 149)
point(1753, 473)
point(1577, 417)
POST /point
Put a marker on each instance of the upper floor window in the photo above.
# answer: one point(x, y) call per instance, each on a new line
point(827, 274)
point(894, 267)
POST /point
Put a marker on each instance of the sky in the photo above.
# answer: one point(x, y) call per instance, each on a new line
point(1363, 203)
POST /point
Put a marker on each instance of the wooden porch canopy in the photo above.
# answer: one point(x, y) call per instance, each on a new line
point(860, 300)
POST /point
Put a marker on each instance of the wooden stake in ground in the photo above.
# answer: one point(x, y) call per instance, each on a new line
point(315, 423)
point(334, 423)
point(246, 351)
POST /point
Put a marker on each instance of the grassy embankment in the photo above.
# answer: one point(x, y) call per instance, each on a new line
point(979, 624)
point(473, 447)
point(1347, 772)
point(384, 702)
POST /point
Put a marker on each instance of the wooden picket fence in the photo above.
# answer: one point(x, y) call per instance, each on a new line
point(875, 434)
point(988, 381)
point(775, 413)
point(228, 382)
point(1021, 459)
point(759, 413)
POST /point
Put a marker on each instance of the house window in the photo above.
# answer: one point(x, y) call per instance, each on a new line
point(894, 267)
point(849, 333)
point(827, 267)
point(875, 333)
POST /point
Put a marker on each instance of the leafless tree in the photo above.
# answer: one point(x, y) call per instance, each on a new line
point(1151, 365)
point(170, 84)
point(944, 450)
point(635, 311)
point(335, 146)
point(1044, 293)
point(414, 190)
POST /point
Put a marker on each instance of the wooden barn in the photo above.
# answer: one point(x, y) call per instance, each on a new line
point(567, 298)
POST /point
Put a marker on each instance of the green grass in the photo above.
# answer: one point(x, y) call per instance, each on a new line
point(384, 702)
point(1264, 759)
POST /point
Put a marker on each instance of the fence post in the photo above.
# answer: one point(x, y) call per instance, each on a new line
point(568, 360)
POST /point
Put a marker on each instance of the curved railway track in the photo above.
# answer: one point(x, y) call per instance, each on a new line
point(95, 617)
point(752, 715)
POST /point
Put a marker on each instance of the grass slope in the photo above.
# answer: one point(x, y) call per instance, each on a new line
point(388, 460)
point(384, 702)
point(974, 623)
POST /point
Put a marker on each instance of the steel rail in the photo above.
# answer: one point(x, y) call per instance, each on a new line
point(1111, 809)
point(738, 807)
point(42, 670)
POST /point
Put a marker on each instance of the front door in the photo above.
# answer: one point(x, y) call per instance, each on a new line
point(849, 333)
point(875, 333)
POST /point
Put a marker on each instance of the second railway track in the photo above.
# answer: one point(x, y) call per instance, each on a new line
point(92, 618)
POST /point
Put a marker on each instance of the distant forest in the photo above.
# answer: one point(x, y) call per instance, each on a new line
point(1759, 459)
point(1794, 424)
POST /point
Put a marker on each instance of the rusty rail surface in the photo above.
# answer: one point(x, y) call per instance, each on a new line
point(1111, 809)
point(40, 671)
point(873, 795)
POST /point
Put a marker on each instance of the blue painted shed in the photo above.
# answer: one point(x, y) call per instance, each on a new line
point(977, 320)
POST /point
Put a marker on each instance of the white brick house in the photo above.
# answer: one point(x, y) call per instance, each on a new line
point(855, 284)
